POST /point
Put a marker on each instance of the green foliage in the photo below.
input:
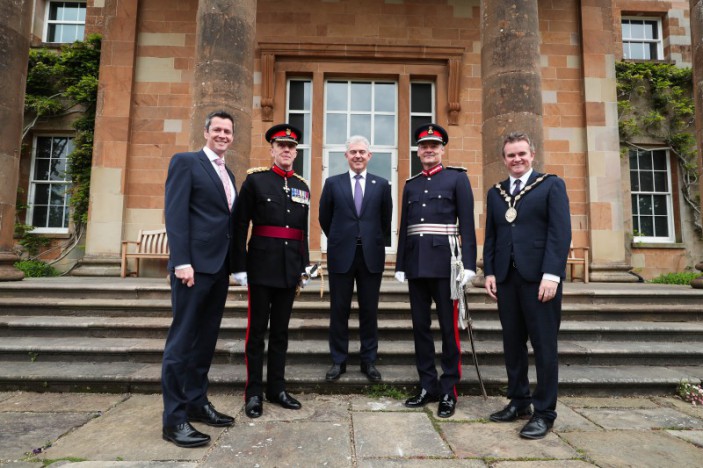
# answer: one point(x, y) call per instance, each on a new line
point(383, 390)
point(36, 268)
point(30, 243)
point(656, 100)
point(60, 83)
point(684, 278)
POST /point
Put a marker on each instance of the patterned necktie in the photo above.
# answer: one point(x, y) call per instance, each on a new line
point(516, 190)
point(224, 177)
point(358, 194)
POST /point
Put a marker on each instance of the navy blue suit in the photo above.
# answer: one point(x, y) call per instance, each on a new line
point(443, 198)
point(518, 253)
point(199, 228)
point(355, 253)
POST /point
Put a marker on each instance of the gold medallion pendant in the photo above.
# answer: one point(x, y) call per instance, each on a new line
point(510, 214)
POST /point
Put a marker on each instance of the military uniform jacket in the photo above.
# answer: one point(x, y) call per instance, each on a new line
point(537, 240)
point(262, 201)
point(442, 198)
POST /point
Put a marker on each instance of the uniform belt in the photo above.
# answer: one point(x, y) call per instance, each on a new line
point(438, 229)
point(278, 232)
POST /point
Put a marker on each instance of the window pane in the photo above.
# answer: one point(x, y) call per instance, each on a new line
point(384, 97)
point(337, 163)
point(299, 99)
point(660, 182)
point(360, 125)
point(415, 122)
point(415, 165)
point(634, 181)
point(39, 216)
point(336, 131)
point(637, 30)
point(659, 160)
point(299, 163)
point(626, 29)
point(302, 123)
point(384, 130)
point(636, 226)
point(41, 169)
point(336, 96)
point(647, 182)
point(650, 30)
point(381, 164)
point(41, 194)
point(57, 194)
point(361, 97)
point(645, 205)
point(661, 226)
point(58, 169)
point(56, 216)
point(635, 204)
point(421, 98)
point(646, 226)
point(660, 205)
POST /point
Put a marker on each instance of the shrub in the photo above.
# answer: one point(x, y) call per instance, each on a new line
point(36, 268)
point(684, 277)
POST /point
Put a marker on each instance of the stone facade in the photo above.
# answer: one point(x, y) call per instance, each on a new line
point(147, 102)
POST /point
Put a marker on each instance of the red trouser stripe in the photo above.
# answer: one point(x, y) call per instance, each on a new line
point(457, 339)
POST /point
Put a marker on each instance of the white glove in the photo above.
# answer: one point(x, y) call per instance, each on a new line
point(312, 270)
point(400, 276)
point(466, 276)
point(240, 278)
point(304, 280)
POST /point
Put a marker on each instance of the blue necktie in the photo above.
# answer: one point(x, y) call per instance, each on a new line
point(358, 194)
point(516, 190)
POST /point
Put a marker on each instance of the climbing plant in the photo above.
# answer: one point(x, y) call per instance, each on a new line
point(61, 83)
point(656, 100)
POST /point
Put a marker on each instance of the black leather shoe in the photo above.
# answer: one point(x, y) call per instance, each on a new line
point(537, 428)
point(335, 372)
point(185, 435)
point(510, 413)
point(209, 415)
point(285, 400)
point(420, 400)
point(447, 405)
point(371, 372)
point(254, 407)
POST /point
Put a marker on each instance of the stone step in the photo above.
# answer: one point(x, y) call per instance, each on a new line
point(136, 377)
point(48, 349)
point(234, 327)
point(601, 294)
point(30, 306)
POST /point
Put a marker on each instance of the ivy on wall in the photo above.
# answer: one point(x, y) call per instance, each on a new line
point(655, 100)
point(60, 84)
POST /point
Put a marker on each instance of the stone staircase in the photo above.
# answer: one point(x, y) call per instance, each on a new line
point(107, 335)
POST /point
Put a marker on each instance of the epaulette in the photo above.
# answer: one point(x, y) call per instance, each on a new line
point(254, 170)
point(301, 178)
point(461, 169)
point(411, 178)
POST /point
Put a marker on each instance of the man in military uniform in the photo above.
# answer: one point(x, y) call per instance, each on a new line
point(433, 201)
point(276, 202)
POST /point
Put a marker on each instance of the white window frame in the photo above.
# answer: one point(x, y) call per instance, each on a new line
point(641, 40)
point(58, 22)
point(305, 146)
point(31, 192)
point(430, 115)
point(375, 148)
point(671, 238)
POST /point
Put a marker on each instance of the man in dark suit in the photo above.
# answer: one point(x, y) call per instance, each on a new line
point(528, 233)
point(200, 193)
point(275, 201)
point(434, 201)
point(355, 214)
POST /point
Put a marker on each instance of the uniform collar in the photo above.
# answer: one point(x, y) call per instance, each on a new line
point(281, 172)
point(432, 171)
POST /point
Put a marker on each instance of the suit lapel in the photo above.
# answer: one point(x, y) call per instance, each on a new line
point(368, 193)
point(347, 191)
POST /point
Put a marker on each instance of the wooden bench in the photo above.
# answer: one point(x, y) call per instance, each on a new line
point(151, 244)
point(573, 261)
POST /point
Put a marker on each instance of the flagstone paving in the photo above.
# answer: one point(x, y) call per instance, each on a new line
point(124, 431)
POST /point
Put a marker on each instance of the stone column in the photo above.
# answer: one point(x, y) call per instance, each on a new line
point(14, 52)
point(697, 53)
point(610, 259)
point(224, 71)
point(512, 84)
